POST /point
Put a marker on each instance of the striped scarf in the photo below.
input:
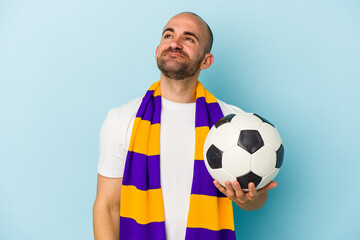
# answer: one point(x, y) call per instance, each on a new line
point(210, 213)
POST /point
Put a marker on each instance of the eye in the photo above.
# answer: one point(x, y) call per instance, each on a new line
point(189, 39)
point(167, 36)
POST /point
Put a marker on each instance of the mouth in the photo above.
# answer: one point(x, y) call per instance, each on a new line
point(174, 55)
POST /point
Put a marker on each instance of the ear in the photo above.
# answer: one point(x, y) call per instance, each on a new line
point(156, 52)
point(208, 60)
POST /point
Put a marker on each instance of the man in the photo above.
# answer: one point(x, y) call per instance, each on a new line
point(184, 51)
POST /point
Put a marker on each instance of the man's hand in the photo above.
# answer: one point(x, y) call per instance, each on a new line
point(252, 200)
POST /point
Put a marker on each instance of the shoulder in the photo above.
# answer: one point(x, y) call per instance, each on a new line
point(228, 108)
point(119, 119)
point(127, 110)
point(114, 138)
point(118, 122)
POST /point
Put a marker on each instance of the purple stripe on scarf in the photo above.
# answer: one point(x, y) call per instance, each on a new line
point(157, 110)
point(152, 112)
point(149, 111)
point(207, 114)
point(201, 233)
point(131, 230)
point(215, 113)
point(144, 103)
point(203, 182)
point(137, 174)
point(201, 114)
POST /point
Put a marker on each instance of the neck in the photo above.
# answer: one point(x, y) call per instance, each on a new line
point(180, 91)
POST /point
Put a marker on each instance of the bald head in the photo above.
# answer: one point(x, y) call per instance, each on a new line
point(204, 26)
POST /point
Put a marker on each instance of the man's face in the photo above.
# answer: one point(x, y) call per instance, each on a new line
point(182, 47)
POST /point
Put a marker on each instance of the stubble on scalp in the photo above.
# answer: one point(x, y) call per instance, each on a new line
point(210, 35)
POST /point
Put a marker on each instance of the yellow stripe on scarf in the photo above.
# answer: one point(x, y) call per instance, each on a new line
point(216, 213)
point(200, 133)
point(202, 92)
point(147, 142)
point(155, 87)
point(142, 206)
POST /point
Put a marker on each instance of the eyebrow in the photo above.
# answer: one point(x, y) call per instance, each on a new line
point(186, 33)
point(168, 29)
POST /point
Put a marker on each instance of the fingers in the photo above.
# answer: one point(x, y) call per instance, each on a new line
point(252, 194)
point(218, 185)
point(235, 192)
point(229, 190)
point(240, 194)
point(271, 185)
point(238, 190)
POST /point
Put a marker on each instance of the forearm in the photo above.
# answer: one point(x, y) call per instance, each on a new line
point(106, 223)
point(255, 205)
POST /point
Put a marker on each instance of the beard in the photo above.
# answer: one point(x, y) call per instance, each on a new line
point(177, 68)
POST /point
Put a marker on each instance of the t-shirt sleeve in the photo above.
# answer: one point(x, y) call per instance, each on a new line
point(112, 147)
point(228, 108)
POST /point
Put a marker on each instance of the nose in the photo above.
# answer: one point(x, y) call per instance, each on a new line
point(176, 43)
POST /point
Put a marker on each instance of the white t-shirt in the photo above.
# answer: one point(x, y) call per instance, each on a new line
point(177, 147)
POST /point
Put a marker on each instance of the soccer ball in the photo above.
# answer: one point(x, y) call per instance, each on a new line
point(243, 147)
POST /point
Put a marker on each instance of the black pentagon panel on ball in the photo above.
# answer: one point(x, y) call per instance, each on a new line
point(264, 120)
point(250, 140)
point(223, 120)
point(214, 157)
point(247, 178)
point(279, 156)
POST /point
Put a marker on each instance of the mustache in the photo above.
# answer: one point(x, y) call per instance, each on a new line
point(176, 50)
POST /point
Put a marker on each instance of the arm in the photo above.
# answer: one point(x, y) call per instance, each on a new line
point(249, 201)
point(106, 210)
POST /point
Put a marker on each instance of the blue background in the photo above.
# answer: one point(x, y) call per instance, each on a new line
point(64, 64)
